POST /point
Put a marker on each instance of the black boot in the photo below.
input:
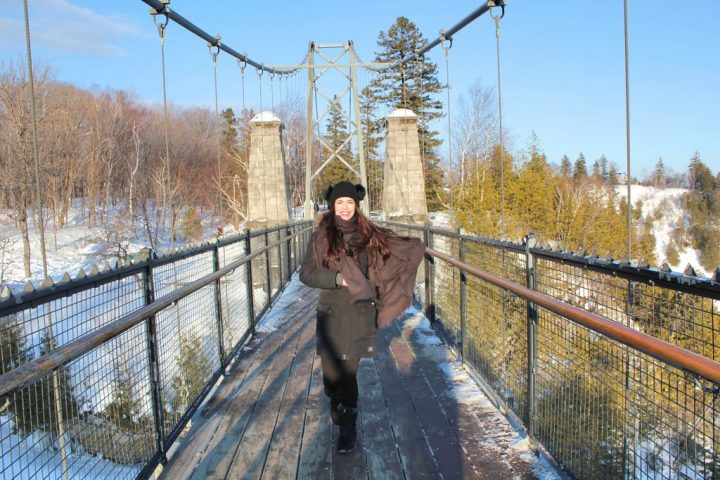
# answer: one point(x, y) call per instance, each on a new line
point(334, 412)
point(348, 434)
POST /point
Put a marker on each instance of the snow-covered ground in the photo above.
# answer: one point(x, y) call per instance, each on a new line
point(76, 246)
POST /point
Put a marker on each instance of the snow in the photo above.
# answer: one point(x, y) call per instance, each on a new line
point(75, 246)
point(277, 315)
point(402, 113)
point(664, 206)
point(265, 117)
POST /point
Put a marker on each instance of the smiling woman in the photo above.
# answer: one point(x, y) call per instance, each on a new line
point(367, 275)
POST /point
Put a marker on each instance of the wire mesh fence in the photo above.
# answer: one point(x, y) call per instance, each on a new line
point(112, 410)
point(602, 409)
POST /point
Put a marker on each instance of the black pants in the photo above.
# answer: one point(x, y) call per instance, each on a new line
point(340, 379)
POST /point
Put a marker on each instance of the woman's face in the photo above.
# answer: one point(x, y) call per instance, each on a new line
point(345, 208)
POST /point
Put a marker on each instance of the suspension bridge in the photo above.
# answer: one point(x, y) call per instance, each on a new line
point(160, 367)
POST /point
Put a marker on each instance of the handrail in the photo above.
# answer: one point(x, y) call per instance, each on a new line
point(660, 349)
point(28, 372)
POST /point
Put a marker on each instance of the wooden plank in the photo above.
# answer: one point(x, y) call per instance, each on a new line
point(382, 457)
point(239, 410)
point(476, 429)
point(284, 452)
point(417, 457)
point(251, 453)
point(449, 455)
point(215, 420)
point(350, 465)
point(316, 449)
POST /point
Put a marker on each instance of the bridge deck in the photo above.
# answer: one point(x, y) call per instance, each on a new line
point(269, 417)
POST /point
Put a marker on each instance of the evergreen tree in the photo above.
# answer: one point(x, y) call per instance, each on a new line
point(659, 180)
point(43, 399)
point(13, 353)
point(337, 139)
point(414, 86)
point(613, 177)
point(565, 166)
point(194, 370)
point(124, 410)
point(604, 167)
point(192, 225)
point(580, 170)
point(596, 170)
point(703, 207)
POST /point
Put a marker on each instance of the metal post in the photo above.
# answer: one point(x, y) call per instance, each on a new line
point(153, 360)
point(308, 209)
point(365, 203)
point(463, 303)
point(267, 267)
point(429, 295)
point(532, 319)
point(288, 253)
point(279, 262)
point(249, 284)
point(218, 303)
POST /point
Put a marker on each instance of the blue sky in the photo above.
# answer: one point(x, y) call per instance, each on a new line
point(562, 62)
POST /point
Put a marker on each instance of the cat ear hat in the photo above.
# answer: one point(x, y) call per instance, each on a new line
point(344, 189)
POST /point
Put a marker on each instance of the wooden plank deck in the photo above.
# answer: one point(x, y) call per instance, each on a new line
point(269, 417)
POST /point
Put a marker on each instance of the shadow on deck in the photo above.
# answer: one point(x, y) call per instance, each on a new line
point(269, 418)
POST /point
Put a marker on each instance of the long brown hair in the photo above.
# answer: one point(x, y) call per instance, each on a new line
point(332, 246)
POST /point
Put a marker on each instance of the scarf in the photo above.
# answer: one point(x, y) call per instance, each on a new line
point(392, 282)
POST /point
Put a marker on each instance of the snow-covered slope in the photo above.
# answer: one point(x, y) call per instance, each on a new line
point(664, 208)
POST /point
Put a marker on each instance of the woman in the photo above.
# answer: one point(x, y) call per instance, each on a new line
point(367, 274)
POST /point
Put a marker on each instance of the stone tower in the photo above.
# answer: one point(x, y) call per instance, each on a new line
point(268, 203)
point(404, 181)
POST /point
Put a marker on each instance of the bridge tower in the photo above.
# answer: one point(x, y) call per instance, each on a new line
point(403, 177)
point(345, 62)
point(268, 202)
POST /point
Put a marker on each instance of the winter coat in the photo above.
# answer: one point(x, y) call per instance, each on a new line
point(346, 328)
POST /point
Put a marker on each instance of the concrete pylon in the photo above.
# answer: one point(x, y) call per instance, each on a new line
point(268, 203)
point(403, 177)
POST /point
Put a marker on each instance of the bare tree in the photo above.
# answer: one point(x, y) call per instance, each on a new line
point(475, 130)
point(15, 146)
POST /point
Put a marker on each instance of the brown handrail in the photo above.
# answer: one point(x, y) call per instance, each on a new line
point(28, 372)
point(667, 352)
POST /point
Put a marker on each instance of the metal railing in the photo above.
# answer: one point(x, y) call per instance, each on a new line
point(611, 367)
point(100, 374)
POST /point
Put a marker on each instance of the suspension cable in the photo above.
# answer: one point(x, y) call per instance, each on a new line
point(166, 164)
point(41, 227)
point(214, 55)
point(272, 92)
point(502, 146)
point(449, 117)
point(627, 130)
point(158, 7)
point(242, 66)
point(35, 149)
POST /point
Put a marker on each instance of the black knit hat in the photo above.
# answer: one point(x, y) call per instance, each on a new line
point(344, 189)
